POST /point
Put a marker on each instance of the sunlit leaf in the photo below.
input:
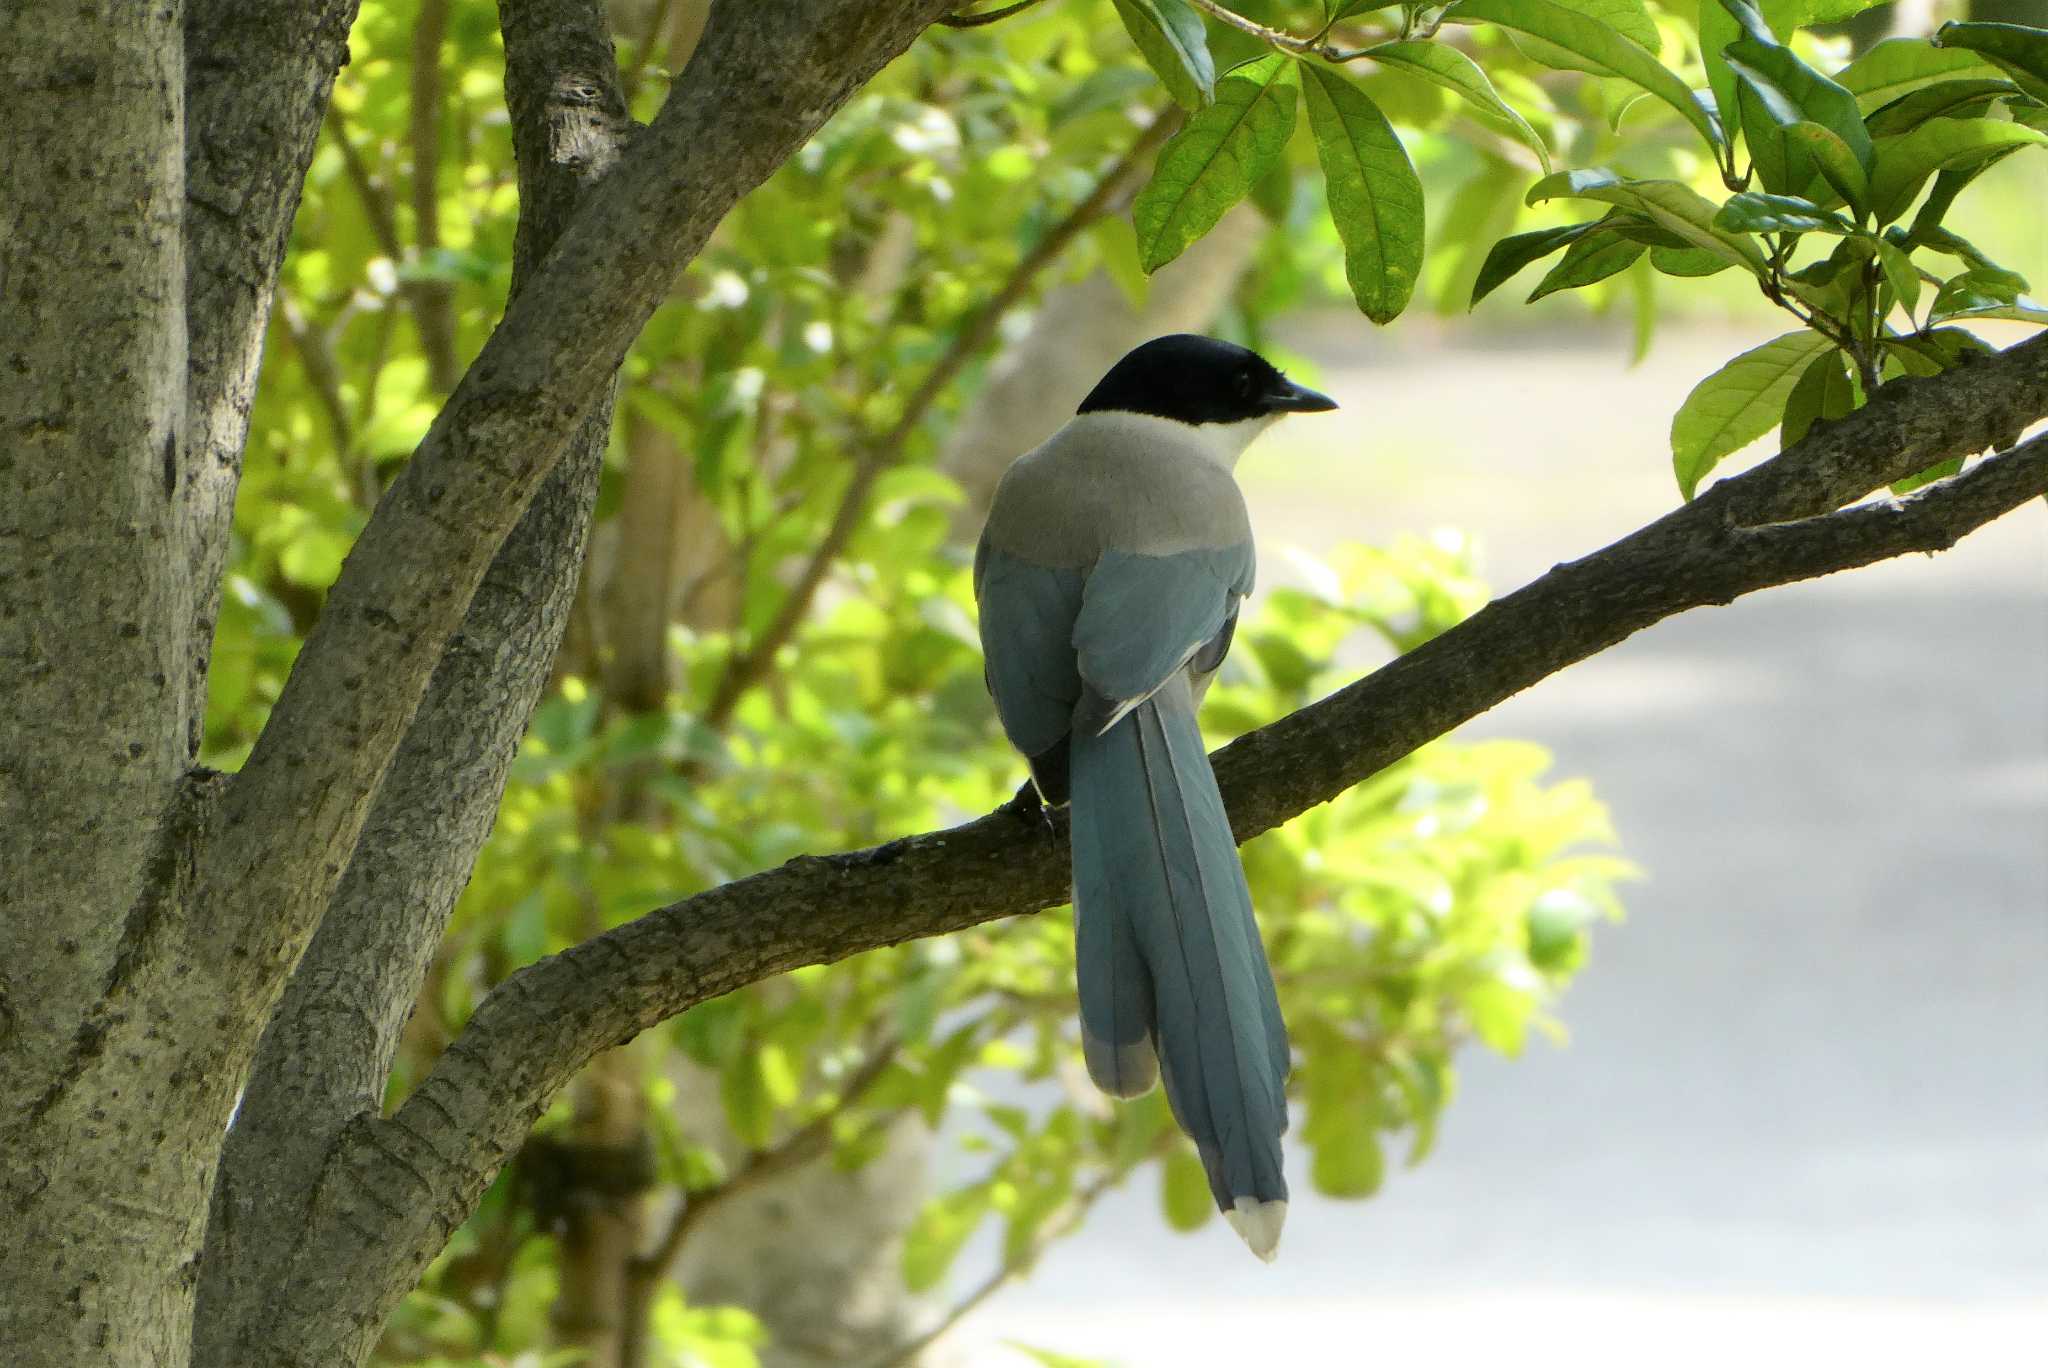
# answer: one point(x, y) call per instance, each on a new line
point(1375, 195)
point(1904, 163)
point(1823, 391)
point(1601, 50)
point(1214, 162)
point(1454, 71)
point(2016, 49)
point(1738, 404)
point(1175, 45)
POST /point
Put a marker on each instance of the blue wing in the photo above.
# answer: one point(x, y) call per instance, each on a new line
point(1027, 631)
point(1143, 618)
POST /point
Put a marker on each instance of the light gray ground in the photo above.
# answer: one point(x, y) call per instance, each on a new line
point(1803, 1115)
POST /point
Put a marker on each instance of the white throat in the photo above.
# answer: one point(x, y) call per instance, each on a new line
point(1221, 443)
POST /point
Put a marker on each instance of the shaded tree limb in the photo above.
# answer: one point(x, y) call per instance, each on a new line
point(750, 666)
point(762, 82)
point(327, 1050)
point(433, 300)
point(405, 1182)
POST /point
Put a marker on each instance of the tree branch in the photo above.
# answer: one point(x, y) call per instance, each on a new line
point(433, 301)
point(403, 1184)
point(751, 665)
point(761, 82)
point(258, 74)
point(327, 1050)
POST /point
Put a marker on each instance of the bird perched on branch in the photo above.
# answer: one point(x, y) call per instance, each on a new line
point(1109, 579)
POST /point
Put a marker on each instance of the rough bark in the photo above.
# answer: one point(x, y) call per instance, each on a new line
point(98, 662)
point(258, 74)
point(402, 1184)
point(760, 83)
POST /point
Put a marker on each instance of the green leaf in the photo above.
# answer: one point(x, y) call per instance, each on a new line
point(1904, 163)
point(1738, 404)
point(1900, 274)
point(2016, 49)
point(1838, 165)
point(1823, 391)
point(1213, 163)
point(1688, 261)
point(1752, 212)
point(1184, 1190)
point(1976, 289)
point(1592, 259)
point(1673, 206)
point(1459, 74)
point(1375, 195)
point(1626, 17)
point(1782, 91)
point(1511, 254)
point(313, 559)
point(1932, 352)
point(2022, 310)
point(935, 1238)
point(1818, 99)
point(1898, 66)
point(1047, 1358)
point(1170, 36)
point(1955, 99)
point(1605, 52)
point(1348, 1161)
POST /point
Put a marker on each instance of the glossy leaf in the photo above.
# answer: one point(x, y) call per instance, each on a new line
point(1671, 205)
point(1213, 163)
point(1831, 156)
point(1590, 260)
point(1444, 65)
point(1976, 289)
point(1898, 66)
point(1786, 91)
point(1900, 274)
point(2018, 50)
point(1754, 212)
point(1943, 99)
point(2021, 310)
point(1738, 404)
point(1688, 261)
point(1375, 195)
point(1626, 17)
point(1904, 163)
point(1175, 45)
point(1603, 51)
point(1511, 254)
point(1824, 391)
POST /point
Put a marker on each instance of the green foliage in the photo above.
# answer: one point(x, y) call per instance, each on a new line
point(1834, 163)
point(1374, 193)
point(1445, 901)
point(1213, 163)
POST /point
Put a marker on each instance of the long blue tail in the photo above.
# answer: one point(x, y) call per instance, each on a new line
point(1173, 979)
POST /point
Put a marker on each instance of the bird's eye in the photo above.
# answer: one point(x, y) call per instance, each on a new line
point(1246, 383)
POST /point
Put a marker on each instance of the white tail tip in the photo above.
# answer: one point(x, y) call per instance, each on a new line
point(1258, 1224)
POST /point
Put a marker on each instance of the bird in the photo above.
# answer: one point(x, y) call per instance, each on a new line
point(1109, 577)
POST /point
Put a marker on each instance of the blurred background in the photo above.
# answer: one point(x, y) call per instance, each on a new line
point(1794, 1106)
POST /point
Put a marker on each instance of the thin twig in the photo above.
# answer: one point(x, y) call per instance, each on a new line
point(645, 1274)
point(316, 358)
point(433, 301)
point(643, 51)
point(748, 667)
point(1279, 38)
point(965, 21)
point(1005, 1272)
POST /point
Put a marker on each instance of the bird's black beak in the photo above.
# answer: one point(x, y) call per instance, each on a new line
point(1292, 398)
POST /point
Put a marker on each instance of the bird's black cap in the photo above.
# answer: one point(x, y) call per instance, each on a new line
point(1194, 379)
